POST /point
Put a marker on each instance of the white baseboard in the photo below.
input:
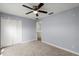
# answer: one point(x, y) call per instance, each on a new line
point(61, 48)
point(27, 41)
point(18, 43)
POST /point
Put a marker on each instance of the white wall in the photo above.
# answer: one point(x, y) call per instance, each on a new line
point(27, 26)
point(62, 29)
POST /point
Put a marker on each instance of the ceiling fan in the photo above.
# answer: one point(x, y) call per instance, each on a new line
point(35, 9)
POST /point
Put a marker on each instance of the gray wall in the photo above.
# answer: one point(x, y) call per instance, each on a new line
point(62, 29)
point(28, 27)
point(0, 32)
point(0, 35)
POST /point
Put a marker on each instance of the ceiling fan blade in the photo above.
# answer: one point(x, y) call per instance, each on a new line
point(51, 13)
point(37, 15)
point(27, 7)
point(40, 5)
point(29, 12)
point(42, 11)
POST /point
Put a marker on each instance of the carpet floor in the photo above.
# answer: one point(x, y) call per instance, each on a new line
point(34, 48)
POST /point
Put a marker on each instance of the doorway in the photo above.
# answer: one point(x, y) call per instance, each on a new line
point(38, 30)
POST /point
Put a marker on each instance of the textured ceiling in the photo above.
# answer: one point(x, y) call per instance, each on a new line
point(19, 10)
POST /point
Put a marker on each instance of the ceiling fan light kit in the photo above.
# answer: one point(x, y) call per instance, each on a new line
point(35, 12)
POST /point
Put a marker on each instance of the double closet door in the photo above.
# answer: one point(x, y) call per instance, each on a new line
point(11, 31)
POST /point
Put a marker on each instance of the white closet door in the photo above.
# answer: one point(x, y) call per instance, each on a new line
point(11, 32)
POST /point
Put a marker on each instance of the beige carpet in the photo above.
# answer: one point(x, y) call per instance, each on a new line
point(34, 48)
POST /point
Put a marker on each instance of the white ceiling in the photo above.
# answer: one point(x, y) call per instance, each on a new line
point(19, 10)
